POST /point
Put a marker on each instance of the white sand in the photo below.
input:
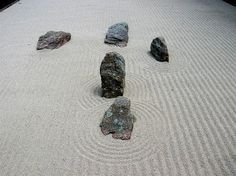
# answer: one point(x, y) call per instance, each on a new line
point(186, 109)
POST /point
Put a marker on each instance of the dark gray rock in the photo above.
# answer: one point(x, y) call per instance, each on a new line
point(159, 49)
point(53, 40)
point(118, 119)
point(112, 71)
point(117, 34)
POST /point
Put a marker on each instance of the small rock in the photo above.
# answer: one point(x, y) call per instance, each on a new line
point(118, 119)
point(53, 40)
point(112, 71)
point(159, 49)
point(117, 34)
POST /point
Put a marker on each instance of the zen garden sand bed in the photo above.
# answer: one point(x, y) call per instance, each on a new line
point(185, 109)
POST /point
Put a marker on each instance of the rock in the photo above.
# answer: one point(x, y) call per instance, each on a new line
point(118, 119)
point(53, 40)
point(159, 49)
point(117, 34)
point(112, 71)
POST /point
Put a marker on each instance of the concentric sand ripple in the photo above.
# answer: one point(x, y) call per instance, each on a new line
point(137, 88)
point(147, 137)
point(177, 61)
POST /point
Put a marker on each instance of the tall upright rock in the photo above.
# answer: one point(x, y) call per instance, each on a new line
point(112, 71)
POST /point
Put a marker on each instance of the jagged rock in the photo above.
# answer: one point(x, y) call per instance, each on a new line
point(117, 34)
point(112, 71)
point(159, 49)
point(53, 40)
point(118, 119)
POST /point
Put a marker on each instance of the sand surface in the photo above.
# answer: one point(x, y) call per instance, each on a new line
point(50, 108)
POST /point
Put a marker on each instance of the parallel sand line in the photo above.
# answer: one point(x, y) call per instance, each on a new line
point(222, 89)
point(181, 124)
point(172, 161)
point(173, 151)
point(211, 140)
point(219, 96)
point(19, 70)
point(196, 133)
point(174, 133)
point(185, 116)
point(178, 153)
point(214, 110)
point(165, 87)
point(219, 104)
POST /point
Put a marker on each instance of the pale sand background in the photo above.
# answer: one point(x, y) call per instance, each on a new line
point(186, 109)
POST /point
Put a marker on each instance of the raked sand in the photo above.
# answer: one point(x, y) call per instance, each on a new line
point(50, 108)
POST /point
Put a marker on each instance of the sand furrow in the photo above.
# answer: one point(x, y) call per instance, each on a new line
point(207, 127)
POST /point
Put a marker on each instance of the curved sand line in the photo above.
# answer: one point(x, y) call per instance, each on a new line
point(137, 88)
point(148, 135)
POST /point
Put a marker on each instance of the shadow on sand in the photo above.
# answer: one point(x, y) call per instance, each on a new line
point(6, 3)
point(232, 2)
